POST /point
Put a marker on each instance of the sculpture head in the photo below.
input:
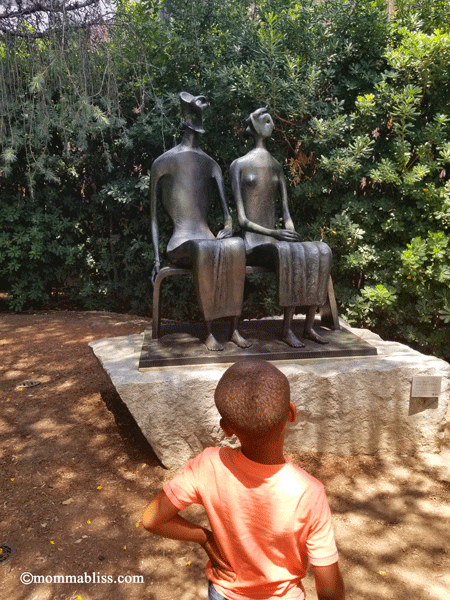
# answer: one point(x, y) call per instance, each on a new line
point(260, 122)
point(192, 108)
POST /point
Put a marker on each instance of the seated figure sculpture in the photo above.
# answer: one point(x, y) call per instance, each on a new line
point(183, 179)
point(303, 268)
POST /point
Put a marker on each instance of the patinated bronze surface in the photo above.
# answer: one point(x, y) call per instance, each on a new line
point(181, 344)
point(303, 268)
point(185, 180)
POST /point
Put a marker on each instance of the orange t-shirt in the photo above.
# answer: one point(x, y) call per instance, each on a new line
point(269, 521)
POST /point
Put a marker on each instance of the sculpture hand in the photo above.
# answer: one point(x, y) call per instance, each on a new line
point(226, 232)
point(286, 235)
point(155, 271)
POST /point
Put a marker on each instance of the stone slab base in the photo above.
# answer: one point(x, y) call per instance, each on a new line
point(352, 405)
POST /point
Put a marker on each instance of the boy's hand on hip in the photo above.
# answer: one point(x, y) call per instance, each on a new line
point(220, 568)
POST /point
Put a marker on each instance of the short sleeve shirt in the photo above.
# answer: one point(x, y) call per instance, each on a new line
point(270, 521)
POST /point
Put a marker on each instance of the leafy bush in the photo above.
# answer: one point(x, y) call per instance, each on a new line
point(396, 163)
point(360, 104)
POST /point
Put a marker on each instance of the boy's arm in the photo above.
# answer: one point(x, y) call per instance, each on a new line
point(329, 582)
point(161, 517)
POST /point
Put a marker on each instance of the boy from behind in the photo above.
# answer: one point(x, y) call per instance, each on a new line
point(269, 518)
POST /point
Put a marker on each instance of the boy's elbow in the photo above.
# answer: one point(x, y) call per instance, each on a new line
point(150, 521)
point(158, 513)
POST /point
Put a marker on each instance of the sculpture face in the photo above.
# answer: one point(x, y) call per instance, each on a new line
point(262, 122)
point(192, 108)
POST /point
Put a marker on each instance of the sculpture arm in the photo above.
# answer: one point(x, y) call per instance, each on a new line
point(287, 219)
point(154, 178)
point(227, 230)
point(279, 234)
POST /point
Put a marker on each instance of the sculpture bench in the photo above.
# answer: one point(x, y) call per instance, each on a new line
point(328, 312)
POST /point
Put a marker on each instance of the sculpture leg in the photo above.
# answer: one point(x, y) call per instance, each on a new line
point(219, 274)
point(236, 337)
point(303, 273)
point(288, 335)
point(309, 332)
point(211, 343)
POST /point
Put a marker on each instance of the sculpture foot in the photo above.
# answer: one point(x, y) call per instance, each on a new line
point(212, 344)
point(292, 340)
point(241, 342)
point(315, 337)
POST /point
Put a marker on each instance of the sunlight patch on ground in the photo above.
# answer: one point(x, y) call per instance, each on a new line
point(48, 428)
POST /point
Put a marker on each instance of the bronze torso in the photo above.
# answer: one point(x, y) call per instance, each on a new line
point(260, 183)
point(186, 190)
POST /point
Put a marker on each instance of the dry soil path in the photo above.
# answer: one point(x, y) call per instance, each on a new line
point(76, 475)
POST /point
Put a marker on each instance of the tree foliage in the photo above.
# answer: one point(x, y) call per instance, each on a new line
point(361, 108)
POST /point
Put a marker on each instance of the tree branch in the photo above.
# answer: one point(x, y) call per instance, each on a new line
point(39, 16)
point(38, 7)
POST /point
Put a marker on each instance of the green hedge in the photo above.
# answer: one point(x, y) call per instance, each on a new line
point(362, 115)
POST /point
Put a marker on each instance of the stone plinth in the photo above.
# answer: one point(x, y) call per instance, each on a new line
point(356, 405)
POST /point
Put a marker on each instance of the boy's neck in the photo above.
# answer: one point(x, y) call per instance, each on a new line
point(267, 451)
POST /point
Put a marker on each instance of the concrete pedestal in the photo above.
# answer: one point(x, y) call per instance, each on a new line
point(352, 405)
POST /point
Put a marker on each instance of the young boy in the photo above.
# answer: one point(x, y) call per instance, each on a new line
point(269, 519)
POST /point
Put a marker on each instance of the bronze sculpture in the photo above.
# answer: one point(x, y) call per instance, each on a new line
point(303, 268)
point(183, 179)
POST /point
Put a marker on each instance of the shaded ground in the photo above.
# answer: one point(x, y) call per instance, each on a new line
point(76, 475)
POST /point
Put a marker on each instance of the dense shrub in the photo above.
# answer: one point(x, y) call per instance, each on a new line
point(361, 108)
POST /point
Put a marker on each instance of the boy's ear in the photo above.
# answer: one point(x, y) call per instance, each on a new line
point(292, 416)
point(228, 431)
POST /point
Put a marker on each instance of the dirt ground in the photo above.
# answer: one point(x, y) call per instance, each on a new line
point(76, 474)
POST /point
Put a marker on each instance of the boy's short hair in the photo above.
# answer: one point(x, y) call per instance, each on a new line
point(253, 397)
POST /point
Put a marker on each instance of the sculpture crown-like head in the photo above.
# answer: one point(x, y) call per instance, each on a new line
point(192, 108)
point(260, 122)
